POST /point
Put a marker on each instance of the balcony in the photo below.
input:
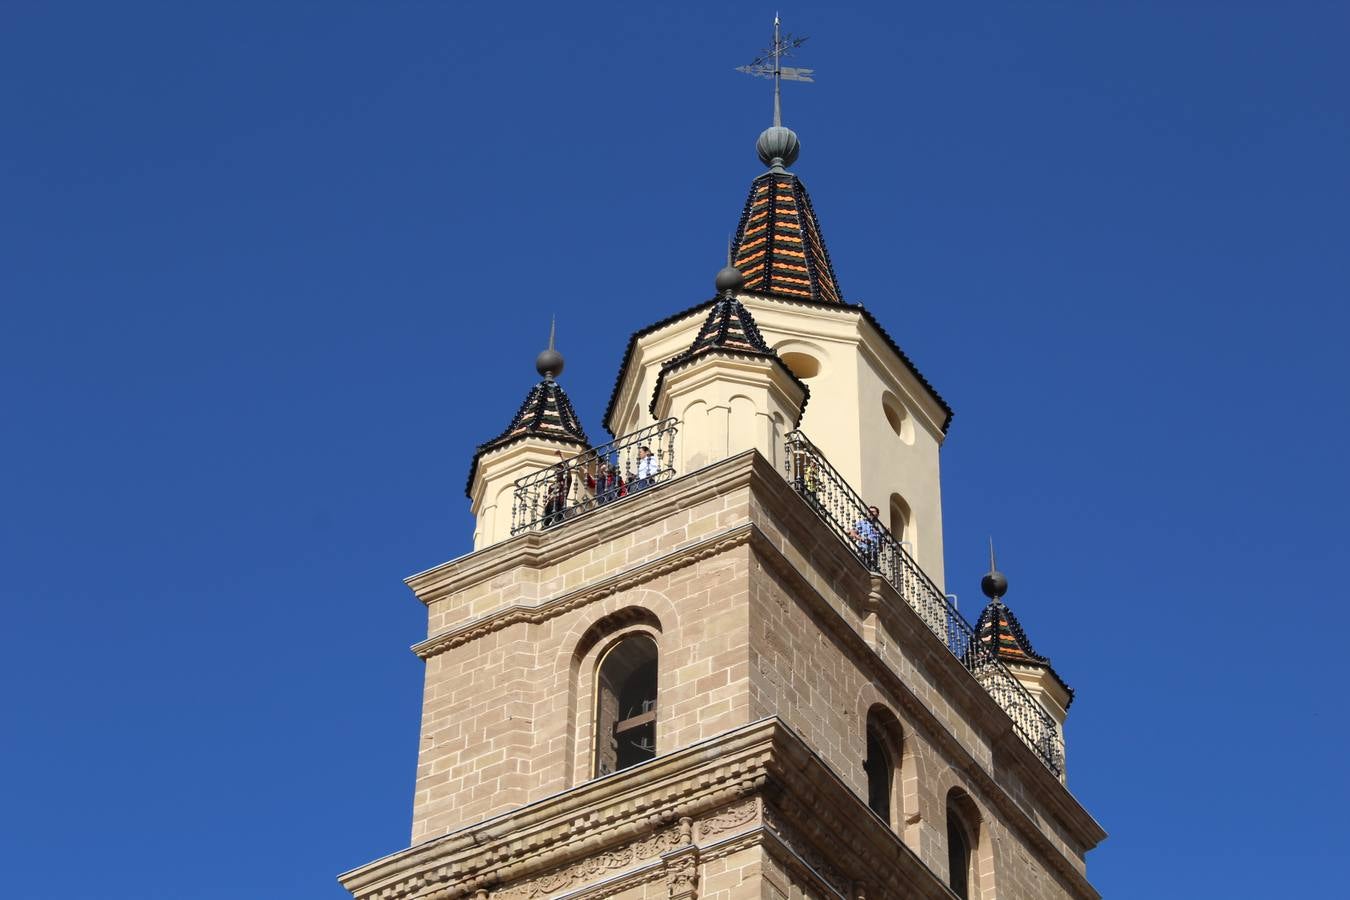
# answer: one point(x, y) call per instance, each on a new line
point(550, 497)
point(610, 473)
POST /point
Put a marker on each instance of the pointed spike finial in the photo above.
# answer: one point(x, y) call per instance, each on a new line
point(995, 583)
point(550, 363)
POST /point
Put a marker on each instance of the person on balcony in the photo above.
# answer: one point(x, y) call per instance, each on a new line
point(807, 476)
point(866, 535)
point(647, 468)
point(607, 483)
point(555, 499)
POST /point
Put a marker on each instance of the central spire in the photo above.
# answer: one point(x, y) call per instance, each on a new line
point(778, 246)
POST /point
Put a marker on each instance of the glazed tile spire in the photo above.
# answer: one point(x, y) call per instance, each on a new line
point(547, 412)
point(728, 329)
point(999, 630)
point(778, 245)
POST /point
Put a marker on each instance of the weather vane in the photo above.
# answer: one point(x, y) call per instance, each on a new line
point(769, 65)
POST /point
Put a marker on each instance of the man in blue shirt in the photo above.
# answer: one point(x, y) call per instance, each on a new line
point(866, 534)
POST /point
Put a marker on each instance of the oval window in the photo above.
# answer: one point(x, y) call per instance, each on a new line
point(803, 365)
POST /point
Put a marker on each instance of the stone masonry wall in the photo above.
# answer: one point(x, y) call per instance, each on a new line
point(757, 611)
point(507, 715)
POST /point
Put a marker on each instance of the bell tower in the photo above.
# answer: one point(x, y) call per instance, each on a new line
point(713, 657)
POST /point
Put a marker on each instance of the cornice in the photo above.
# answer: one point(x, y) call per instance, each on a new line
point(638, 804)
point(705, 548)
point(759, 785)
point(657, 819)
point(733, 367)
point(539, 549)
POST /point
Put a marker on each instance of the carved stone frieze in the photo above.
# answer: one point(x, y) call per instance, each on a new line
point(681, 869)
point(602, 865)
point(726, 819)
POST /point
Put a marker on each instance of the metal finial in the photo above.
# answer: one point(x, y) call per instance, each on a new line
point(995, 583)
point(550, 362)
point(778, 146)
point(729, 279)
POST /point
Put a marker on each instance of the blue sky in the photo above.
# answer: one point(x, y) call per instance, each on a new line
point(270, 271)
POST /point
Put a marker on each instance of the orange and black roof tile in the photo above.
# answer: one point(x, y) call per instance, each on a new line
point(778, 245)
point(998, 629)
point(547, 413)
point(728, 329)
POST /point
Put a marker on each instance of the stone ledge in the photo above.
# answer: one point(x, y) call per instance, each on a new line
point(756, 785)
point(627, 578)
point(538, 549)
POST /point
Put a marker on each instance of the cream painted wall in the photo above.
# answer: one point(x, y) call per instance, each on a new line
point(844, 417)
point(727, 405)
point(493, 488)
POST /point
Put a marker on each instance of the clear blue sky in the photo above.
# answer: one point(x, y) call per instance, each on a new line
point(269, 271)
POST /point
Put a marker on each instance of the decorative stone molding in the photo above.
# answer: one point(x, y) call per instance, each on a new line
point(679, 559)
point(598, 827)
point(729, 818)
point(663, 820)
point(681, 868)
point(592, 867)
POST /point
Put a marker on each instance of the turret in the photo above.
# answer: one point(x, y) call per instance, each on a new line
point(543, 432)
point(999, 630)
point(730, 389)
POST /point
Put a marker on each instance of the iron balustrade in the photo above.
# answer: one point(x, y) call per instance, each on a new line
point(825, 491)
point(606, 474)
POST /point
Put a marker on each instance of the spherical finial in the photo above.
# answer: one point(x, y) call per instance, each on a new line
point(549, 363)
point(994, 584)
point(729, 279)
point(778, 147)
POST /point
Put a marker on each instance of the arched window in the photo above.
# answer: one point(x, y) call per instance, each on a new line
point(897, 417)
point(900, 519)
point(963, 825)
point(885, 750)
point(625, 714)
point(880, 772)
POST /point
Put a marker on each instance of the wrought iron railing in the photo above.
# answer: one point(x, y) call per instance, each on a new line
point(812, 476)
point(585, 481)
